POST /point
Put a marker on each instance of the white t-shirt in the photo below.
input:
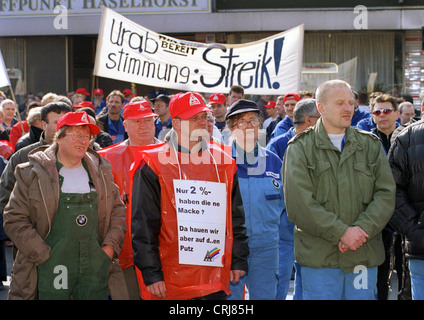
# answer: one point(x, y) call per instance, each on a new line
point(75, 180)
point(337, 140)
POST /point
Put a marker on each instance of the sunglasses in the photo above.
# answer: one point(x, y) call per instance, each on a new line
point(384, 111)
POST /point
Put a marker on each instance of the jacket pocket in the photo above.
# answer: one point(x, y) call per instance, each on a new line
point(363, 172)
point(321, 180)
point(273, 206)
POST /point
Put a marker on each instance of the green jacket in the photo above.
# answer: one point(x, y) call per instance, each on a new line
point(327, 191)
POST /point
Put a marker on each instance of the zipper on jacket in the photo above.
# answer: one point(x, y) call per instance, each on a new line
point(106, 209)
point(45, 207)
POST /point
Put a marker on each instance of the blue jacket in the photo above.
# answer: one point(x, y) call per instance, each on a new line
point(366, 124)
point(278, 145)
point(282, 127)
point(358, 115)
point(261, 189)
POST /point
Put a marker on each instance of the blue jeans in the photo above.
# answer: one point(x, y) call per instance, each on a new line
point(261, 279)
point(416, 269)
point(286, 251)
point(334, 284)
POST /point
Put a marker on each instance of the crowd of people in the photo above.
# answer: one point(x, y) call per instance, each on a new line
point(323, 187)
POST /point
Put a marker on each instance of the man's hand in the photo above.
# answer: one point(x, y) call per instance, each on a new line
point(108, 250)
point(353, 238)
point(236, 274)
point(158, 289)
point(342, 247)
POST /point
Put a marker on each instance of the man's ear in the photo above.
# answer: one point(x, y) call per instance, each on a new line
point(176, 124)
point(320, 108)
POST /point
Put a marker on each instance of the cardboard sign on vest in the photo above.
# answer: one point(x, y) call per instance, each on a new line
point(201, 213)
point(129, 52)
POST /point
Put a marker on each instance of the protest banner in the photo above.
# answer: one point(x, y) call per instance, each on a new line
point(129, 52)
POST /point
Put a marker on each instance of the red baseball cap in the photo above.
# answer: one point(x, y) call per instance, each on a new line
point(78, 118)
point(217, 98)
point(83, 105)
point(288, 95)
point(186, 105)
point(138, 110)
point(126, 92)
point(270, 104)
point(82, 91)
point(98, 91)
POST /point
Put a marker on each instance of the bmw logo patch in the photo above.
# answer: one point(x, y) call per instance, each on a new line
point(275, 183)
point(81, 220)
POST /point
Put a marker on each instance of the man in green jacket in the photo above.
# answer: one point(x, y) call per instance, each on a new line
point(339, 193)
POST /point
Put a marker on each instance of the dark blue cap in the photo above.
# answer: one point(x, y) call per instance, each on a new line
point(241, 106)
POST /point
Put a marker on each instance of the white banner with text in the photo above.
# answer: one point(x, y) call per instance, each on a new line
point(129, 52)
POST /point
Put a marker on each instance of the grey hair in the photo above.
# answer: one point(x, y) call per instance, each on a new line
point(33, 115)
point(403, 105)
point(305, 107)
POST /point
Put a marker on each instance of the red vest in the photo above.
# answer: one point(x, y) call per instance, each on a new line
point(184, 281)
point(121, 156)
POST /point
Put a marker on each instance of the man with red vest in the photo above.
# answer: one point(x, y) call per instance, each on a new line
point(188, 234)
point(139, 125)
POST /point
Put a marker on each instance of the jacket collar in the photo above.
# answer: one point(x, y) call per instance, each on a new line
point(46, 157)
point(323, 141)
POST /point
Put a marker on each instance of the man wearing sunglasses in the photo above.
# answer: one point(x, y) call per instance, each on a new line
point(385, 114)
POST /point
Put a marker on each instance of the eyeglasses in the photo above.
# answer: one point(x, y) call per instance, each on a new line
point(79, 136)
point(242, 124)
point(385, 111)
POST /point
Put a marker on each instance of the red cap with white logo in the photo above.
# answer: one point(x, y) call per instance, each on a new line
point(138, 110)
point(217, 98)
point(98, 91)
point(186, 105)
point(79, 118)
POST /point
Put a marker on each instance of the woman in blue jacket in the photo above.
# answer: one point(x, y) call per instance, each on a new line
point(260, 183)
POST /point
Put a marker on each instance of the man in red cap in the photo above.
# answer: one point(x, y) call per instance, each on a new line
point(128, 94)
point(82, 91)
point(72, 218)
point(271, 109)
point(173, 187)
point(289, 101)
point(218, 104)
point(84, 104)
point(139, 124)
point(98, 102)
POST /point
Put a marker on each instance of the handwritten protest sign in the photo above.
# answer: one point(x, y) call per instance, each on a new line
point(129, 52)
point(201, 214)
